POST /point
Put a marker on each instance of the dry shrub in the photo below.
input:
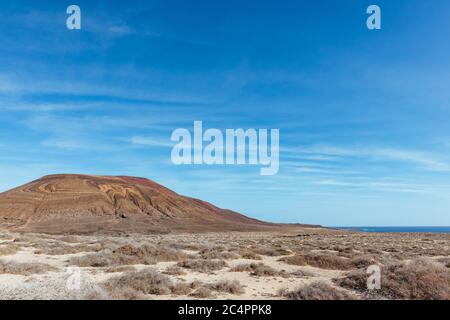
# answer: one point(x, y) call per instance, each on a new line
point(317, 291)
point(181, 289)
point(205, 266)
point(129, 255)
point(24, 269)
point(139, 283)
point(301, 274)
point(69, 239)
point(105, 259)
point(5, 235)
point(259, 269)
point(7, 250)
point(323, 261)
point(250, 255)
point(175, 271)
point(226, 286)
point(272, 251)
point(445, 261)
point(243, 267)
point(418, 279)
point(364, 261)
point(374, 251)
point(344, 251)
point(123, 294)
point(202, 293)
point(146, 281)
point(196, 284)
point(186, 246)
point(217, 254)
point(56, 249)
point(114, 269)
point(158, 253)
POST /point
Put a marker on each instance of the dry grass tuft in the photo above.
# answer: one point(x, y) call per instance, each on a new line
point(272, 251)
point(226, 286)
point(202, 293)
point(445, 261)
point(24, 269)
point(323, 261)
point(122, 294)
point(205, 266)
point(158, 253)
point(181, 289)
point(259, 270)
point(317, 291)
point(104, 259)
point(250, 255)
point(301, 274)
point(364, 261)
point(7, 250)
point(243, 267)
point(175, 271)
point(185, 246)
point(214, 253)
point(115, 269)
point(60, 248)
point(69, 239)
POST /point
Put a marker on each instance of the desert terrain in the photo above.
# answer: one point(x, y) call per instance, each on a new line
point(101, 237)
point(308, 263)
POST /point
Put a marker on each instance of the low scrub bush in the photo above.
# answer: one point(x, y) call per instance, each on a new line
point(418, 279)
point(317, 291)
point(24, 269)
point(205, 266)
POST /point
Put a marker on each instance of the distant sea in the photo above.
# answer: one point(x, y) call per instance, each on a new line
point(398, 229)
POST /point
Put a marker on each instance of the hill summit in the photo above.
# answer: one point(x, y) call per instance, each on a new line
point(70, 203)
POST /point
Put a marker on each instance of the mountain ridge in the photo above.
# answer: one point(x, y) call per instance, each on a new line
point(77, 203)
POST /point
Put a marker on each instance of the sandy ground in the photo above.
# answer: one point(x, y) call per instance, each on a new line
point(53, 285)
point(56, 283)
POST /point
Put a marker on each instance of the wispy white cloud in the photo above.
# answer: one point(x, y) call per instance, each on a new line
point(84, 144)
point(121, 30)
point(426, 160)
point(390, 186)
point(150, 142)
point(64, 144)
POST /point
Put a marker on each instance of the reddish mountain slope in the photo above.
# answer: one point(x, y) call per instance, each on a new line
point(87, 204)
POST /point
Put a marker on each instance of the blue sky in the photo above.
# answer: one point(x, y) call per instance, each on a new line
point(363, 115)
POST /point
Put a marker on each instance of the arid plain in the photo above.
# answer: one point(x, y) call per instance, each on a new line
point(308, 263)
point(101, 237)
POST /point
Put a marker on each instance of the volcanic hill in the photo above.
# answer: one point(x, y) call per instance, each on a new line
point(88, 204)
